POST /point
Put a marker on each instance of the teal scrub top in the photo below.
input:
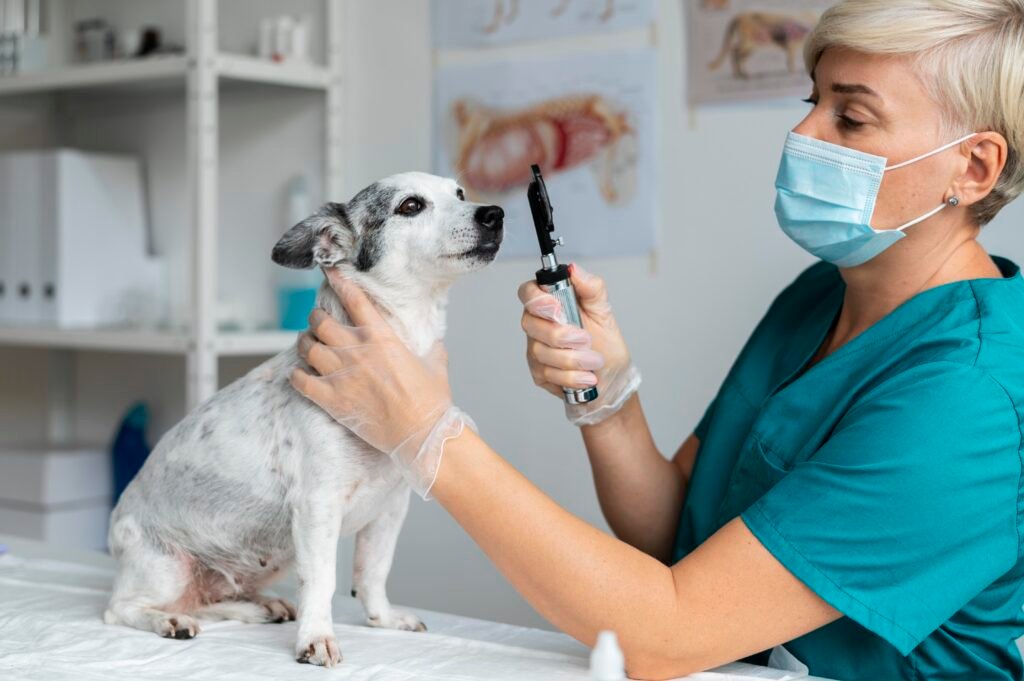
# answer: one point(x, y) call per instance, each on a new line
point(887, 477)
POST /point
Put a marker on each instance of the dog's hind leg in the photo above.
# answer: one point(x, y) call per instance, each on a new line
point(375, 548)
point(149, 584)
point(257, 610)
point(316, 524)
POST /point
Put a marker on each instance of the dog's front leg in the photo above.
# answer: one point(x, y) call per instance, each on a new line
point(316, 523)
point(375, 548)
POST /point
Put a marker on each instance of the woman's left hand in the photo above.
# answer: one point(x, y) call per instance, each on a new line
point(369, 381)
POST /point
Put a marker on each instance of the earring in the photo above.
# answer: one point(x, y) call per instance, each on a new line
point(954, 201)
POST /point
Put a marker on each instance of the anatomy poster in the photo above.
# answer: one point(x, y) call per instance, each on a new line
point(587, 120)
point(475, 23)
point(748, 49)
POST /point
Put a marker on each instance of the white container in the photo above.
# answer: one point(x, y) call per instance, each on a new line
point(56, 494)
point(283, 29)
point(606, 660)
point(75, 230)
point(300, 40)
point(265, 42)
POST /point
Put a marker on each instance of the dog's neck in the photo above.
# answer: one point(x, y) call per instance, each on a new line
point(416, 314)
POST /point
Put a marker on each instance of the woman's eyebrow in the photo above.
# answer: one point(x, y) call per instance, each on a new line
point(853, 88)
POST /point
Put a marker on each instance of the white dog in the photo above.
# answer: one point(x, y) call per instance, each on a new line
point(258, 478)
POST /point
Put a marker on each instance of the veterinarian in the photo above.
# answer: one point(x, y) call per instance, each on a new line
point(854, 491)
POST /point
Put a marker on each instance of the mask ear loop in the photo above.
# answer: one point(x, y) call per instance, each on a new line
point(922, 218)
point(932, 153)
point(953, 201)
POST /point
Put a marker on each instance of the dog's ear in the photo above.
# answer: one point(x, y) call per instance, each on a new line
point(325, 239)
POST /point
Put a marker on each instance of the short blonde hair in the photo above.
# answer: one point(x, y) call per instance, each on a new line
point(971, 59)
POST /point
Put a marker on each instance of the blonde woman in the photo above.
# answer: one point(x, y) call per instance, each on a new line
point(855, 489)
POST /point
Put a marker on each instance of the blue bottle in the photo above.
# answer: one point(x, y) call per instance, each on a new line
point(130, 449)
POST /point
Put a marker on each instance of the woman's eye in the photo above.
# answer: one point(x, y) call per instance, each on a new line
point(810, 100)
point(848, 122)
point(460, 195)
point(410, 206)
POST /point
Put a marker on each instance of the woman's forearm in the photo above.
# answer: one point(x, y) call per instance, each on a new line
point(579, 578)
point(727, 599)
point(640, 491)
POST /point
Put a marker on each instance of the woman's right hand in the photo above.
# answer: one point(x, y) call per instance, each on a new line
point(560, 354)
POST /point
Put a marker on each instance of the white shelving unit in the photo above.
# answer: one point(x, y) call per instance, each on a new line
point(201, 73)
point(153, 71)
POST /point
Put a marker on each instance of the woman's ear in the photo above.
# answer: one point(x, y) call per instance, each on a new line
point(323, 239)
point(984, 166)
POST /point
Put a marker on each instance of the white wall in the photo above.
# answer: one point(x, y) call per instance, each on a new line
point(722, 259)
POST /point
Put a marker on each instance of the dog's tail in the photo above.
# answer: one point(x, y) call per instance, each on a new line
point(727, 41)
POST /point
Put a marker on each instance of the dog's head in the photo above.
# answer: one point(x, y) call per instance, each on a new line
point(411, 226)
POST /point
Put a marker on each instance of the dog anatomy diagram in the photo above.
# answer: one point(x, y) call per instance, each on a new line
point(587, 120)
point(748, 49)
point(472, 23)
point(495, 147)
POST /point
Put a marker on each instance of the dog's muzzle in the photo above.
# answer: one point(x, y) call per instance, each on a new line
point(491, 218)
point(491, 221)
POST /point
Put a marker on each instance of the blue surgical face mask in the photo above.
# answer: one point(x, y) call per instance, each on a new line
point(826, 195)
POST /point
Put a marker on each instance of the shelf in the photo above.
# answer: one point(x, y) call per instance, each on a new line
point(228, 344)
point(256, 70)
point(82, 76)
point(254, 344)
point(146, 73)
point(112, 339)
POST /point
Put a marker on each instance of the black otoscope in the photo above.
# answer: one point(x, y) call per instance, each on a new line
point(552, 277)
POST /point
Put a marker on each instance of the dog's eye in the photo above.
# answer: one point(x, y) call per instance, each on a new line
point(411, 206)
point(460, 195)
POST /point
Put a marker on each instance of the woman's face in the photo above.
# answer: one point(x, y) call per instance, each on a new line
point(876, 104)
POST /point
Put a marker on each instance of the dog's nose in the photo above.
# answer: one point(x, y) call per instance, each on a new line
point(490, 217)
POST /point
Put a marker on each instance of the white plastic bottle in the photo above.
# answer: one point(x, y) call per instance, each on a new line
point(607, 662)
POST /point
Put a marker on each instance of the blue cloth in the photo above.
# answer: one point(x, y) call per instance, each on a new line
point(887, 477)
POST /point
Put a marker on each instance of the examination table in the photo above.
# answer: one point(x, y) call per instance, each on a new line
point(51, 629)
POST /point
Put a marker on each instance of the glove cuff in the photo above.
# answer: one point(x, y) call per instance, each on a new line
point(419, 467)
point(610, 400)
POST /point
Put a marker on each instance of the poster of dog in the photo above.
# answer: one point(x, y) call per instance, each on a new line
point(748, 49)
point(587, 120)
point(477, 23)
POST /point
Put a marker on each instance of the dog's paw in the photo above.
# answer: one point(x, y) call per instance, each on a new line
point(178, 626)
point(278, 610)
point(397, 619)
point(321, 650)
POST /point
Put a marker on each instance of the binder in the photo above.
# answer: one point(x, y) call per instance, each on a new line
point(98, 225)
point(24, 185)
point(47, 256)
point(6, 247)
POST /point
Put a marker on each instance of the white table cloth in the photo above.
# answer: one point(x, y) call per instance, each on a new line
point(51, 605)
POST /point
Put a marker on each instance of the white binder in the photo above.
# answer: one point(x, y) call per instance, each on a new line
point(24, 181)
point(6, 245)
point(95, 260)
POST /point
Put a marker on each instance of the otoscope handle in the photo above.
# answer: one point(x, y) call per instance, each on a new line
point(557, 283)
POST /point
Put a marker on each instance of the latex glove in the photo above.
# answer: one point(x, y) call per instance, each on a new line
point(370, 382)
point(562, 355)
